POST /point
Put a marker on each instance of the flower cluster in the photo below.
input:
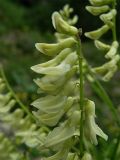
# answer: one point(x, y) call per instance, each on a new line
point(58, 105)
point(102, 8)
point(8, 150)
point(16, 124)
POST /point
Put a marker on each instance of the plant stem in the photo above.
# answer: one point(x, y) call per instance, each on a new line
point(14, 95)
point(114, 22)
point(104, 96)
point(80, 59)
point(113, 157)
point(114, 152)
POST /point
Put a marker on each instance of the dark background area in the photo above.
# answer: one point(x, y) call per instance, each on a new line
point(36, 14)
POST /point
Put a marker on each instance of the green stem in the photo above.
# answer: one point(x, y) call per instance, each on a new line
point(113, 157)
point(14, 95)
point(81, 93)
point(114, 22)
point(115, 149)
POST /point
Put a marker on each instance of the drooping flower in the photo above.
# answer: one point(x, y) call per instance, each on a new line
point(62, 26)
point(91, 128)
point(54, 49)
point(86, 156)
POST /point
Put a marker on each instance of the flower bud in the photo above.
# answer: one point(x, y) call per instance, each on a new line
point(2, 86)
point(60, 37)
point(108, 16)
point(90, 78)
point(101, 45)
point(4, 99)
point(62, 26)
point(73, 21)
point(107, 66)
point(113, 50)
point(90, 108)
point(66, 10)
point(108, 69)
point(87, 156)
point(6, 108)
point(53, 49)
point(110, 74)
point(97, 10)
point(72, 156)
point(100, 2)
point(69, 103)
point(97, 33)
point(75, 118)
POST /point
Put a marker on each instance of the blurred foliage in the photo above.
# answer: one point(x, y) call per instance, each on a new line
point(11, 16)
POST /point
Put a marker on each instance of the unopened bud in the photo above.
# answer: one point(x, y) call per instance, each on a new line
point(110, 74)
point(74, 20)
point(62, 26)
point(97, 10)
point(108, 16)
point(90, 108)
point(75, 117)
point(87, 156)
point(53, 49)
point(101, 46)
point(97, 33)
point(113, 50)
point(100, 2)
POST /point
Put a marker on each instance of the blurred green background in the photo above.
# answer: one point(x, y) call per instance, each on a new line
point(25, 22)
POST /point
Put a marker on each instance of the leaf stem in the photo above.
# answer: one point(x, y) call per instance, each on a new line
point(14, 95)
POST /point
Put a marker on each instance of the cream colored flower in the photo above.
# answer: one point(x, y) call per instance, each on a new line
point(86, 156)
point(91, 128)
point(53, 49)
point(97, 33)
point(62, 26)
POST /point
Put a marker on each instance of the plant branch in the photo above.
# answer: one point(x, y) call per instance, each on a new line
point(14, 95)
